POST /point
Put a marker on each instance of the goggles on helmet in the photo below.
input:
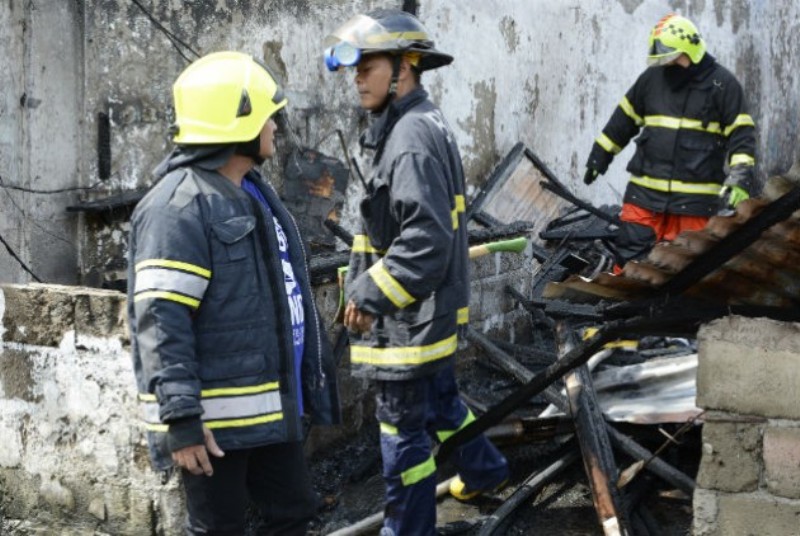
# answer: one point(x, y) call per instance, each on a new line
point(661, 54)
point(342, 54)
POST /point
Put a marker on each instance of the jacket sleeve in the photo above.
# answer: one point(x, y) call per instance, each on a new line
point(739, 128)
point(417, 259)
point(172, 270)
point(624, 124)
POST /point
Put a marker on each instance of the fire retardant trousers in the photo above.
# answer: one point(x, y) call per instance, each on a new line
point(409, 413)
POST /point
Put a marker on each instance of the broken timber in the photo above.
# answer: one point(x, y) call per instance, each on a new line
point(598, 459)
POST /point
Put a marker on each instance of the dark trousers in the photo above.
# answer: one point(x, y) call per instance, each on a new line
point(410, 412)
point(275, 478)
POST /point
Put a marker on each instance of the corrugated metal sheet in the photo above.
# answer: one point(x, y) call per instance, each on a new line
point(767, 273)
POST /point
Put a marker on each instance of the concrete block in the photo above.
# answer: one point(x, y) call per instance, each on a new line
point(731, 456)
point(101, 313)
point(705, 505)
point(758, 514)
point(749, 366)
point(782, 461)
point(38, 314)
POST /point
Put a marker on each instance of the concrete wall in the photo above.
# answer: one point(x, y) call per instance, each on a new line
point(547, 73)
point(748, 381)
point(74, 458)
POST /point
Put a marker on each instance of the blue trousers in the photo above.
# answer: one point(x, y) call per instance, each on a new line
point(409, 413)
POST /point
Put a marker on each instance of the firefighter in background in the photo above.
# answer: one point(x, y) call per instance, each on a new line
point(690, 114)
point(228, 347)
point(407, 288)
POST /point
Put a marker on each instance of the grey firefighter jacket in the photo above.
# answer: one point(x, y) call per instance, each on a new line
point(689, 119)
point(210, 324)
point(410, 267)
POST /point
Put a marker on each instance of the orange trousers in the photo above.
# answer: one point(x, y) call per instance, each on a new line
point(642, 228)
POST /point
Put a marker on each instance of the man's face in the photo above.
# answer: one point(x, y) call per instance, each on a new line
point(373, 76)
point(267, 148)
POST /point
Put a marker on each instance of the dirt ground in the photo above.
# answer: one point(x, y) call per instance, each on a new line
point(349, 483)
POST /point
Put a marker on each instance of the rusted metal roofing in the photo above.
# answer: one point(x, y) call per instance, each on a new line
point(765, 273)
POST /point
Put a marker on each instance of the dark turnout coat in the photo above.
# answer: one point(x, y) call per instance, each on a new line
point(689, 121)
point(410, 266)
point(210, 324)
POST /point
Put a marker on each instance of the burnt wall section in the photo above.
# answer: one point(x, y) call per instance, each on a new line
point(74, 454)
point(747, 381)
point(88, 83)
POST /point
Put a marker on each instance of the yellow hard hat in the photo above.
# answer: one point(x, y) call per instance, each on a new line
point(672, 36)
point(224, 97)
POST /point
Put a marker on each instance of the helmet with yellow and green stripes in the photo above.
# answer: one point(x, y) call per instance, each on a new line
point(389, 31)
point(672, 36)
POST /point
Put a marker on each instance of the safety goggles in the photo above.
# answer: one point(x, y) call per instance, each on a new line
point(342, 54)
point(661, 54)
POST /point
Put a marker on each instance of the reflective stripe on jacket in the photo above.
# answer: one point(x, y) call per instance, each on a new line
point(688, 120)
point(410, 266)
point(211, 330)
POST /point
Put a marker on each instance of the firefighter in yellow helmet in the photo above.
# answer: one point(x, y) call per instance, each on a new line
point(221, 312)
point(408, 280)
point(695, 150)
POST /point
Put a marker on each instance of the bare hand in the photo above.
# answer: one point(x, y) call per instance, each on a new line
point(356, 319)
point(195, 458)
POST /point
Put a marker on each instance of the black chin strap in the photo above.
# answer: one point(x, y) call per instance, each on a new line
point(397, 60)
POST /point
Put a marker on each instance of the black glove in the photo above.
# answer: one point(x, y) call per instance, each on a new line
point(590, 176)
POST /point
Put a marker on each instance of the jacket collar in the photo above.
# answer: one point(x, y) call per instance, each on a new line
point(375, 136)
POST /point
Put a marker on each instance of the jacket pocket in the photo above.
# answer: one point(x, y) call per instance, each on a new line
point(226, 367)
point(702, 158)
point(639, 160)
point(231, 234)
point(378, 220)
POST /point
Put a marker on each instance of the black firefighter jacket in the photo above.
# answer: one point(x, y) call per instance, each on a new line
point(210, 325)
point(689, 119)
point(410, 267)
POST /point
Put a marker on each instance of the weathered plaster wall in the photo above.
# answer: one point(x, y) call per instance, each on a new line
point(547, 73)
point(41, 73)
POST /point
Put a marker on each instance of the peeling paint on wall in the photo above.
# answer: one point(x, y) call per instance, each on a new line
point(480, 155)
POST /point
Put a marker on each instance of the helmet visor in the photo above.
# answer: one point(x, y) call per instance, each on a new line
point(369, 35)
point(661, 54)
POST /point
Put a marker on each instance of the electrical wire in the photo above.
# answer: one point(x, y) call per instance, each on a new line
point(173, 39)
point(56, 191)
point(20, 261)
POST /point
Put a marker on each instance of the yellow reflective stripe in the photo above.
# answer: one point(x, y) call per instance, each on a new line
point(169, 280)
point(233, 423)
point(238, 423)
point(223, 391)
point(391, 36)
point(664, 185)
point(444, 435)
point(388, 429)
point(627, 107)
point(606, 143)
point(676, 123)
point(419, 472)
point(404, 355)
point(233, 391)
point(461, 204)
point(740, 159)
point(175, 265)
point(742, 120)
point(454, 217)
point(463, 316)
point(171, 296)
point(361, 244)
point(390, 286)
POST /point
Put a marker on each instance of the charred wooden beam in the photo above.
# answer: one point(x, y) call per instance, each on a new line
point(598, 458)
point(532, 485)
point(339, 232)
point(561, 191)
point(529, 430)
point(620, 441)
